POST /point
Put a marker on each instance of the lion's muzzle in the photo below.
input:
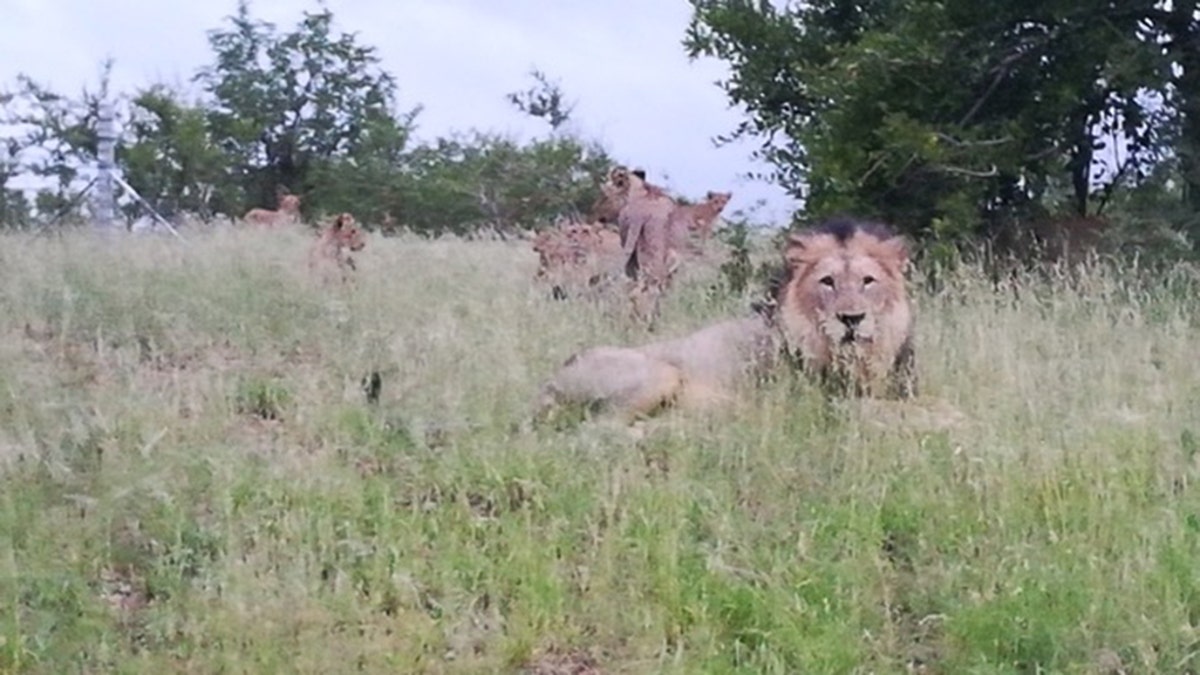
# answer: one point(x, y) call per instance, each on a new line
point(850, 323)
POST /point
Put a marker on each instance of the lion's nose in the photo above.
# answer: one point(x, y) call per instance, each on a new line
point(851, 320)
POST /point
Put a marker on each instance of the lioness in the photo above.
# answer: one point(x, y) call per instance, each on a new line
point(575, 254)
point(334, 244)
point(644, 216)
point(840, 309)
point(289, 212)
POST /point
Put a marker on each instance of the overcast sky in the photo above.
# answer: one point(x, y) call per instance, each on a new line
point(621, 60)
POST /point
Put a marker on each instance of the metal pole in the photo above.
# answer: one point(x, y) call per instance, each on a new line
point(106, 142)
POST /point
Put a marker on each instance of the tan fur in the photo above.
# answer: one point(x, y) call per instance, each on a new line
point(844, 307)
point(698, 370)
point(697, 220)
point(552, 249)
point(644, 221)
point(828, 282)
point(607, 207)
point(575, 254)
point(608, 242)
point(288, 213)
point(334, 245)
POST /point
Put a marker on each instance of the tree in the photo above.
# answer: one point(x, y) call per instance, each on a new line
point(544, 100)
point(55, 138)
point(460, 184)
point(14, 208)
point(287, 107)
point(944, 117)
point(1178, 32)
point(312, 112)
point(170, 157)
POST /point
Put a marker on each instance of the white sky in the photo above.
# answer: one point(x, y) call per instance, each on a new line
point(621, 60)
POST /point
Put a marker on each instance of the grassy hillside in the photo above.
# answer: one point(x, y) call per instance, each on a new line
point(191, 478)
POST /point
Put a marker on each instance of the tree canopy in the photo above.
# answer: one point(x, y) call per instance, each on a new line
point(956, 116)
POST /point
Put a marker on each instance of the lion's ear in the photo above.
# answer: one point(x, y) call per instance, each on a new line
point(795, 252)
point(640, 173)
point(897, 251)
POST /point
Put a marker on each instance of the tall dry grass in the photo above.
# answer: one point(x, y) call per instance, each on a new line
point(192, 480)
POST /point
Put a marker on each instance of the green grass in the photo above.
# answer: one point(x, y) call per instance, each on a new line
point(191, 479)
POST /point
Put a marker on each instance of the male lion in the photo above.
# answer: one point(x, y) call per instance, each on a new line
point(335, 243)
point(289, 212)
point(840, 309)
point(843, 305)
point(696, 370)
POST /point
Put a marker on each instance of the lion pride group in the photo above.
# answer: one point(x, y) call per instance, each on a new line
point(839, 310)
point(654, 234)
point(336, 240)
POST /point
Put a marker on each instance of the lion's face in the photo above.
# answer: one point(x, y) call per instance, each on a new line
point(718, 200)
point(845, 289)
point(346, 233)
point(563, 244)
point(613, 192)
point(289, 204)
point(618, 180)
point(848, 291)
point(582, 235)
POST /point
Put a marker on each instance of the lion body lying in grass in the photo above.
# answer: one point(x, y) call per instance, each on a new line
point(841, 311)
point(572, 256)
point(696, 370)
point(288, 213)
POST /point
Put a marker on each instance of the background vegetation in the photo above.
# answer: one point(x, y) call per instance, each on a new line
point(960, 119)
point(308, 110)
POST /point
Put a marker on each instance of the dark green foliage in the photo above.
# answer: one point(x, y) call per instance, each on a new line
point(952, 118)
point(737, 270)
point(285, 106)
point(172, 159)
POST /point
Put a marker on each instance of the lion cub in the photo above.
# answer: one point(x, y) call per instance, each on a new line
point(334, 245)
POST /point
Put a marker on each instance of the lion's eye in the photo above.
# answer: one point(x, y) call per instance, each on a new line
point(868, 280)
point(827, 281)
